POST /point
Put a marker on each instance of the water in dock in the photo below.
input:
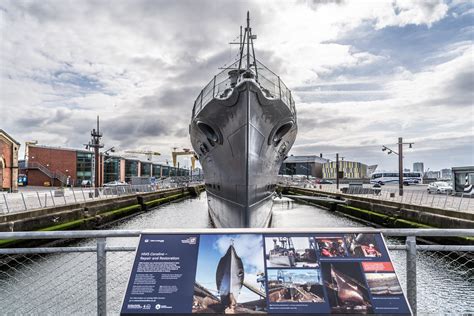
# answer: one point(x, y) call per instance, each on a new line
point(65, 283)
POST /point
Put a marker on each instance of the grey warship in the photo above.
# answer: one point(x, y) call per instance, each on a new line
point(243, 125)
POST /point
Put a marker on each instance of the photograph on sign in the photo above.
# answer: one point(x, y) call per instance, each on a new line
point(383, 284)
point(295, 285)
point(346, 288)
point(362, 245)
point(282, 252)
point(329, 247)
point(230, 275)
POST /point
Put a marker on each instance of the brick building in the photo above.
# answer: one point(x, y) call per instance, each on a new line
point(58, 166)
point(8, 162)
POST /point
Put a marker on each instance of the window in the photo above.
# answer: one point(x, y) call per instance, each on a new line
point(156, 171)
point(145, 169)
point(131, 169)
point(84, 164)
point(111, 169)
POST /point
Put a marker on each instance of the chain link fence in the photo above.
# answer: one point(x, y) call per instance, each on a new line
point(437, 279)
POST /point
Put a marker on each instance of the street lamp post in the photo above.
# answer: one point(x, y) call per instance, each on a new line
point(400, 161)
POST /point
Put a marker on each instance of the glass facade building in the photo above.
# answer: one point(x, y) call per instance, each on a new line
point(84, 164)
point(145, 169)
point(165, 171)
point(111, 169)
point(156, 171)
point(131, 169)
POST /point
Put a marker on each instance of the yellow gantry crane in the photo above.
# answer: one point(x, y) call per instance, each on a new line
point(148, 153)
point(185, 152)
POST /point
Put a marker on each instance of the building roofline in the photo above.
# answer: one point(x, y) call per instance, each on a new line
point(59, 148)
point(9, 137)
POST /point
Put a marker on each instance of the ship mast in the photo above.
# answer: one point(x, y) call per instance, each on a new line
point(247, 37)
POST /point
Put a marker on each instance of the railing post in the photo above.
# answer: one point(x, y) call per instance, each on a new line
point(101, 277)
point(460, 201)
point(6, 203)
point(411, 272)
point(39, 200)
point(24, 202)
point(74, 194)
point(52, 197)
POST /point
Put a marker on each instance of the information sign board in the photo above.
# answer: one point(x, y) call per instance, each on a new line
point(250, 272)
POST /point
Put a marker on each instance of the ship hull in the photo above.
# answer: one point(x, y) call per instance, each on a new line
point(237, 139)
point(229, 277)
point(282, 261)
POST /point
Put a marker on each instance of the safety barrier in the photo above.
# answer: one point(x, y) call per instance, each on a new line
point(90, 276)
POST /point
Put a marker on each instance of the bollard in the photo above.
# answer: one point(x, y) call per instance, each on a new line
point(101, 277)
point(411, 272)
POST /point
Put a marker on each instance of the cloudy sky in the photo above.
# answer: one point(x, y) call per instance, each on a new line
point(363, 73)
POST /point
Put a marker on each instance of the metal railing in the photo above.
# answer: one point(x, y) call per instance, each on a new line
point(221, 86)
point(412, 196)
point(51, 174)
point(31, 200)
point(91, 277)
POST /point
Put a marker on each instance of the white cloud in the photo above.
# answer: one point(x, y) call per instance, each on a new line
point(128, 62)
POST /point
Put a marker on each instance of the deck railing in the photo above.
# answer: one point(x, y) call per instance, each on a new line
point(221, 86)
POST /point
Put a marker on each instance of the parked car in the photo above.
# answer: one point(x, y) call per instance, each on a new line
point(115, 187)
point(439, 187)
point(116, 184)
point(324, 181)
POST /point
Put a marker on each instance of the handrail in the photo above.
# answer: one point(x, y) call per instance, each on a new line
point(394, 232)
point(51, 174)
point(275, 85)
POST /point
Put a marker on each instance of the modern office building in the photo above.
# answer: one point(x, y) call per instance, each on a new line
point(8, 162)
point(418, 167)
point(350, 169)
point(303, 165)
point(446, 174)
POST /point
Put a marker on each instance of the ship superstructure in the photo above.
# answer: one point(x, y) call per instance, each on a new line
point(243, 125)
